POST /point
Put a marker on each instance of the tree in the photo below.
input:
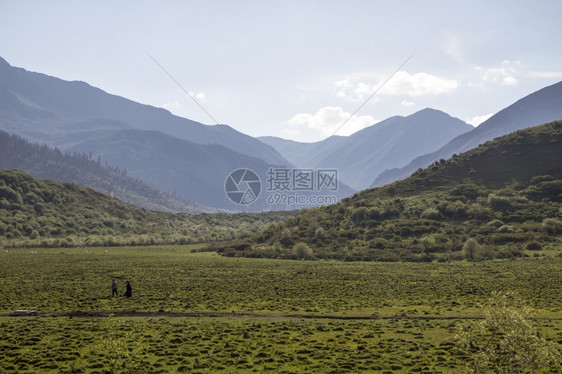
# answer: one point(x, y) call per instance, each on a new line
point(428, 244)
point(471, 249)
point(504, 341)
point(301, 250)
point(122, 351)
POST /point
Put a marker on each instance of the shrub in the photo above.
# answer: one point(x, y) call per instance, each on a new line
point(358, 215)
point(243, 234)
point(374, 214)
point(534, 246)
point(479, 212)
point(500, 203)
point(552, 226)
point(301, 250)
point(286, 238)
point(319, 233)
point(506, 228)
point(432, 213)
point(471, 249)
point(505, 341)
point(497, 223)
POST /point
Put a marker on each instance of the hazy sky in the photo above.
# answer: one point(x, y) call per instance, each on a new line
point(294, 69)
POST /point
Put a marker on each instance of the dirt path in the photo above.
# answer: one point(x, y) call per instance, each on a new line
point(146, 314)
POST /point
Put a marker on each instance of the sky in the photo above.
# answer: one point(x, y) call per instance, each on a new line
point(294, 69)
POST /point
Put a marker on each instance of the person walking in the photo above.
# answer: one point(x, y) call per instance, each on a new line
point(114, 287)
point(129, 290)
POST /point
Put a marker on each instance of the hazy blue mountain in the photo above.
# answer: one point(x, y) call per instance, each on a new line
point(179, 156)
point(301, 153)
point(194, 171)
point(537, 108)
point(362, 156)
point(47, 109)
point(45, 162)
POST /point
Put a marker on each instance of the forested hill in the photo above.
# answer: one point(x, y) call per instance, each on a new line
point(505, 196)
point(47, 213)
point(45, 162)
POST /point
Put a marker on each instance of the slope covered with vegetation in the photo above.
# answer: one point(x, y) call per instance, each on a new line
point(46, 213)
point(44, 162)
point(502, 199)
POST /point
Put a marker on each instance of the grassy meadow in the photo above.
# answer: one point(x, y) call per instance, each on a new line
point(202, 312)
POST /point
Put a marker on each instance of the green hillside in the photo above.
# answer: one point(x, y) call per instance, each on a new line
point(46, 213)
point(505, 196)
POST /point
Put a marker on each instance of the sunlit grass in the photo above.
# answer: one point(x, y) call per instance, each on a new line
point(299, 316)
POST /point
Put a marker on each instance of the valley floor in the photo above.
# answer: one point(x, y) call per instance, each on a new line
point(200, 312)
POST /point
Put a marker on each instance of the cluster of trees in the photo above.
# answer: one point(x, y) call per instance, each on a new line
point(493, 202)
point(53, 214)
point(434, 226)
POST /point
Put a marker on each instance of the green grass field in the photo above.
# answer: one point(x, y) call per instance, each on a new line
point(200, 312)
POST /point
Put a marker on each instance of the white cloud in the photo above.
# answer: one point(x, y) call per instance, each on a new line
point(200, 96)
point(355, 90)
point(328, 119)
point(509, 81)
point(401, 84)
point(418, 84)
point(405, 103)
point(477, 120)
point(503, 75)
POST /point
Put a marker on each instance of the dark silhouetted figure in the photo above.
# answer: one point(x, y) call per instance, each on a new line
point(129, 290)
point(114, 291)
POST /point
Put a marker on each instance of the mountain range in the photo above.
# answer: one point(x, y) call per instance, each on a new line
point(390, 143)
point(504, 195)
point(539, 107)
point(192, 161)
point(45, 162)
point(58, 112)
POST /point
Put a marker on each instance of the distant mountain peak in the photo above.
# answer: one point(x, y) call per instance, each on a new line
point(430, 112)
point(76, 101)
point(542, 106)
point(364, 154)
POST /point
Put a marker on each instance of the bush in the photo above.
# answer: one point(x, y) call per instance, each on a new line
point(500, 203)
point(552, 226)
point(432, 213)
point(505, 341)
point(374, 214)
point(479, 212)
point(471, 249)
point(358, 215)
point(301, 250)
point(497, 223)
point(506, 228)
point(534, 246)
